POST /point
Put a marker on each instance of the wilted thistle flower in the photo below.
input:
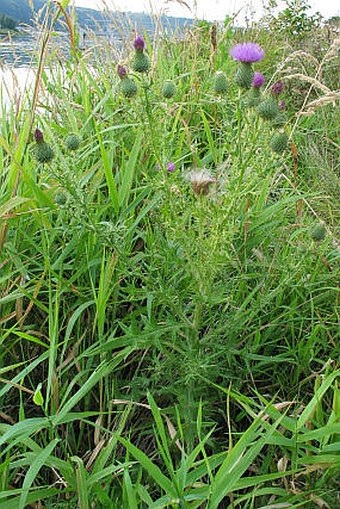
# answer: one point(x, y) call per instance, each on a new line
point(72, 142)
point(168, 89)
point(279, 142)
point(38, 136)
point(139, 43)
point(277, 88)
point(201, 181)
point(282, 105)
point(258, 80)
point(247, 52)
point(121, 71)
point(318, 232)
point(220, 83)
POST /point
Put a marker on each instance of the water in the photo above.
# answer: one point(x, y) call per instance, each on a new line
point(17, 51)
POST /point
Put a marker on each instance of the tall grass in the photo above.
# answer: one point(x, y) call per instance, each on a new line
point(162, 348)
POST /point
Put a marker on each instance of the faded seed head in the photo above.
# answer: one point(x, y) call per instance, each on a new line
point(201, 180)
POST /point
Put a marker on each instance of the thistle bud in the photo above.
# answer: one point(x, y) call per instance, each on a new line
point(43, 152)
point(254, 97)
point(318, 232)
point(128, 87)
point(220, 83)
point(244, 75)
point(279, 142)
point(168, 89)
point(268, 109)
point(61, 199)
point(140, 62)
point(72, 142)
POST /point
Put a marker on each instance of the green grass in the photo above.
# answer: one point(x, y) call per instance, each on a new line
point(162, 348)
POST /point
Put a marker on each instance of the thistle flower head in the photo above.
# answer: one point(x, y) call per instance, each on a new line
point(38, 136)
point(201, 181)
point(247, 52)
point(171, 167)
point(121, 71)
point(277, 88)
point(258, 80)
point(139, 43)
point(282, 105)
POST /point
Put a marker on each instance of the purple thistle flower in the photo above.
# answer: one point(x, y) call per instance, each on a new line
point(121, 71)
point(277, 88)
point(258, 80)
point(247, 52)
point(38, 136)
point(139, 43)
point(171, 167)
point(282, 105)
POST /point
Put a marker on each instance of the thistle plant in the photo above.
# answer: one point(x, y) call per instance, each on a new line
point(246, 53)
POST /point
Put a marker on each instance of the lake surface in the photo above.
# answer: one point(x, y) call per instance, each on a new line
point(18, 62)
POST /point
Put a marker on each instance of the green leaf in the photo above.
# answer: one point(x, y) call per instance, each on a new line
point(152, 469)
point(33, 471)
point(38, 398)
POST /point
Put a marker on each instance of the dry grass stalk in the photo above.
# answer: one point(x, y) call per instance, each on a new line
point(309, 79)
point(329, 98)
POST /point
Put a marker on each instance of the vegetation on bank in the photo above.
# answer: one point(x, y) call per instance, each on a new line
point(169, 274)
